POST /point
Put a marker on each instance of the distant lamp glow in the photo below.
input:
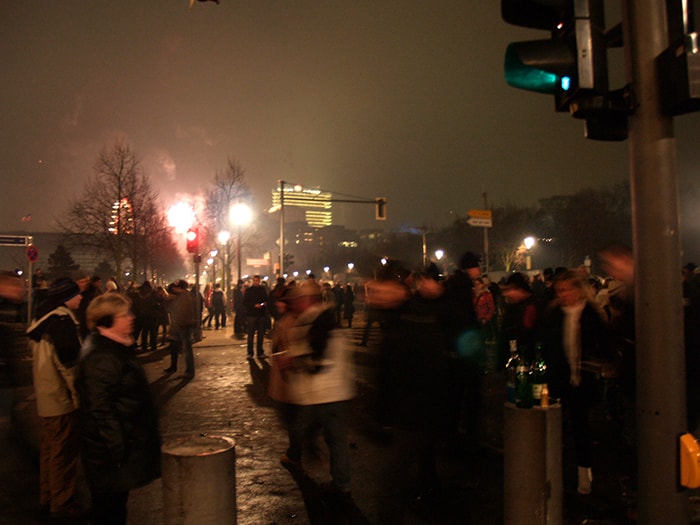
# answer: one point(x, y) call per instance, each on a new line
point(326, 269)
point(351, 266)
point(308, 272)
point(383, 260)
point(240, 214)
point(439, 254)
point(529, 242)
point(295, 273)
point(224, 237)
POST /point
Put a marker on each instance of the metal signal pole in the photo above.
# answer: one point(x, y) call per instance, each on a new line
point(661, 405)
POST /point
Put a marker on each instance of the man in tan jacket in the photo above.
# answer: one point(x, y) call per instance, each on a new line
point(55, 343)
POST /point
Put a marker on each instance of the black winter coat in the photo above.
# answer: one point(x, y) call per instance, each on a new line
point(121, 443)
point(594, 344)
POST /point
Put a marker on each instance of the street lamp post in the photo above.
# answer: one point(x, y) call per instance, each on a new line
point(212, 255)
point(439, 254)
point(224, 237)
point(528, 242)
point(239, 216)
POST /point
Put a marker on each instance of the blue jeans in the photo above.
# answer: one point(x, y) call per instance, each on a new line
point(331, 418)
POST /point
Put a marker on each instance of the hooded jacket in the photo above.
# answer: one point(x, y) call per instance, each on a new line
point(55, 346)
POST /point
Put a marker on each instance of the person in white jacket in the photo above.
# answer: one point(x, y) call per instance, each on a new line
point(55, 343)
point(314, 380)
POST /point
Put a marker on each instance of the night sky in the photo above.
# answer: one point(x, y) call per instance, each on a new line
point(396, 98)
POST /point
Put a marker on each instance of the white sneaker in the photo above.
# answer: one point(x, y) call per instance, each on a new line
point(585, 477)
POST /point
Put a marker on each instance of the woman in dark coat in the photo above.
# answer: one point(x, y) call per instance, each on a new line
point(121, 443)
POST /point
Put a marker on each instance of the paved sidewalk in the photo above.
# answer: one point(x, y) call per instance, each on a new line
point(228, 397)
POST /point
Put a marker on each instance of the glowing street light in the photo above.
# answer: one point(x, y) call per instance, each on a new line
point(223, 237)
point(528, 242)
point(439, 254)
point(239, 215)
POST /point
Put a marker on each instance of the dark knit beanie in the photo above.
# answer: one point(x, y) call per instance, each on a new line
point(518, 280)
point(469, 260)
point(62, 290)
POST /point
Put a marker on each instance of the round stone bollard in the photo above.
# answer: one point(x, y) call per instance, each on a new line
point(199, 481)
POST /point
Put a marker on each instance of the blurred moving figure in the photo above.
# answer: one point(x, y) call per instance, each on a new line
point(12, 295)
point(316, 380)
point(348, 297)
point(574, 333)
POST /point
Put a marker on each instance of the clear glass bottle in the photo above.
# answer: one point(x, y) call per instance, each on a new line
point(523, 381)
point(511, 371)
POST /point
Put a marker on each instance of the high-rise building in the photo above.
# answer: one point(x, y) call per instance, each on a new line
point(303, 204)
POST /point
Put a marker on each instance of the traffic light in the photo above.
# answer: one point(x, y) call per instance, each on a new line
point(572, 62)
point(288, 261)
point(193, 240)
point(380, 208)
point(678, 65)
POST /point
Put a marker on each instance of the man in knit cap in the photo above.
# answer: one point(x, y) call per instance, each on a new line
point(55, 343)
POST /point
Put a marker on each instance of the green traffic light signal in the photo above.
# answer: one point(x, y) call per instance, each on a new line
point(539, 65)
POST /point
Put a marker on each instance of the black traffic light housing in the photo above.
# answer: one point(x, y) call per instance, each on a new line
point(380, 208)
point(679, 65)
point(193, 240)
point(571, 64)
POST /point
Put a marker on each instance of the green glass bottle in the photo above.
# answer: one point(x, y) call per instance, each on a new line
point(523, 381)
point(539, 375)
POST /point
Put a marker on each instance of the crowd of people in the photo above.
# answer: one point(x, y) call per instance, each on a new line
point(92, 395)
point(94, 403)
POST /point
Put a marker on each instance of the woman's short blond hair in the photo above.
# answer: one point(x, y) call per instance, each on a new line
point(103, 308)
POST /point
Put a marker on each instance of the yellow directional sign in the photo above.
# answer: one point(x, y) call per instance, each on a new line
point(480, 214)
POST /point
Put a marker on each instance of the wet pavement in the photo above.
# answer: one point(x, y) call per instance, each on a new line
point(227, 397)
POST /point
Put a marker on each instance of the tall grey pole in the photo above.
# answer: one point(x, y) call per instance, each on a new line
point(281, 228)
point(238, 252)
point(486, 237)
point(661, 409)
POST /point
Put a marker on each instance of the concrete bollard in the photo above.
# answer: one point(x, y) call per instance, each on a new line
point(199, 481)
point(532, 466)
